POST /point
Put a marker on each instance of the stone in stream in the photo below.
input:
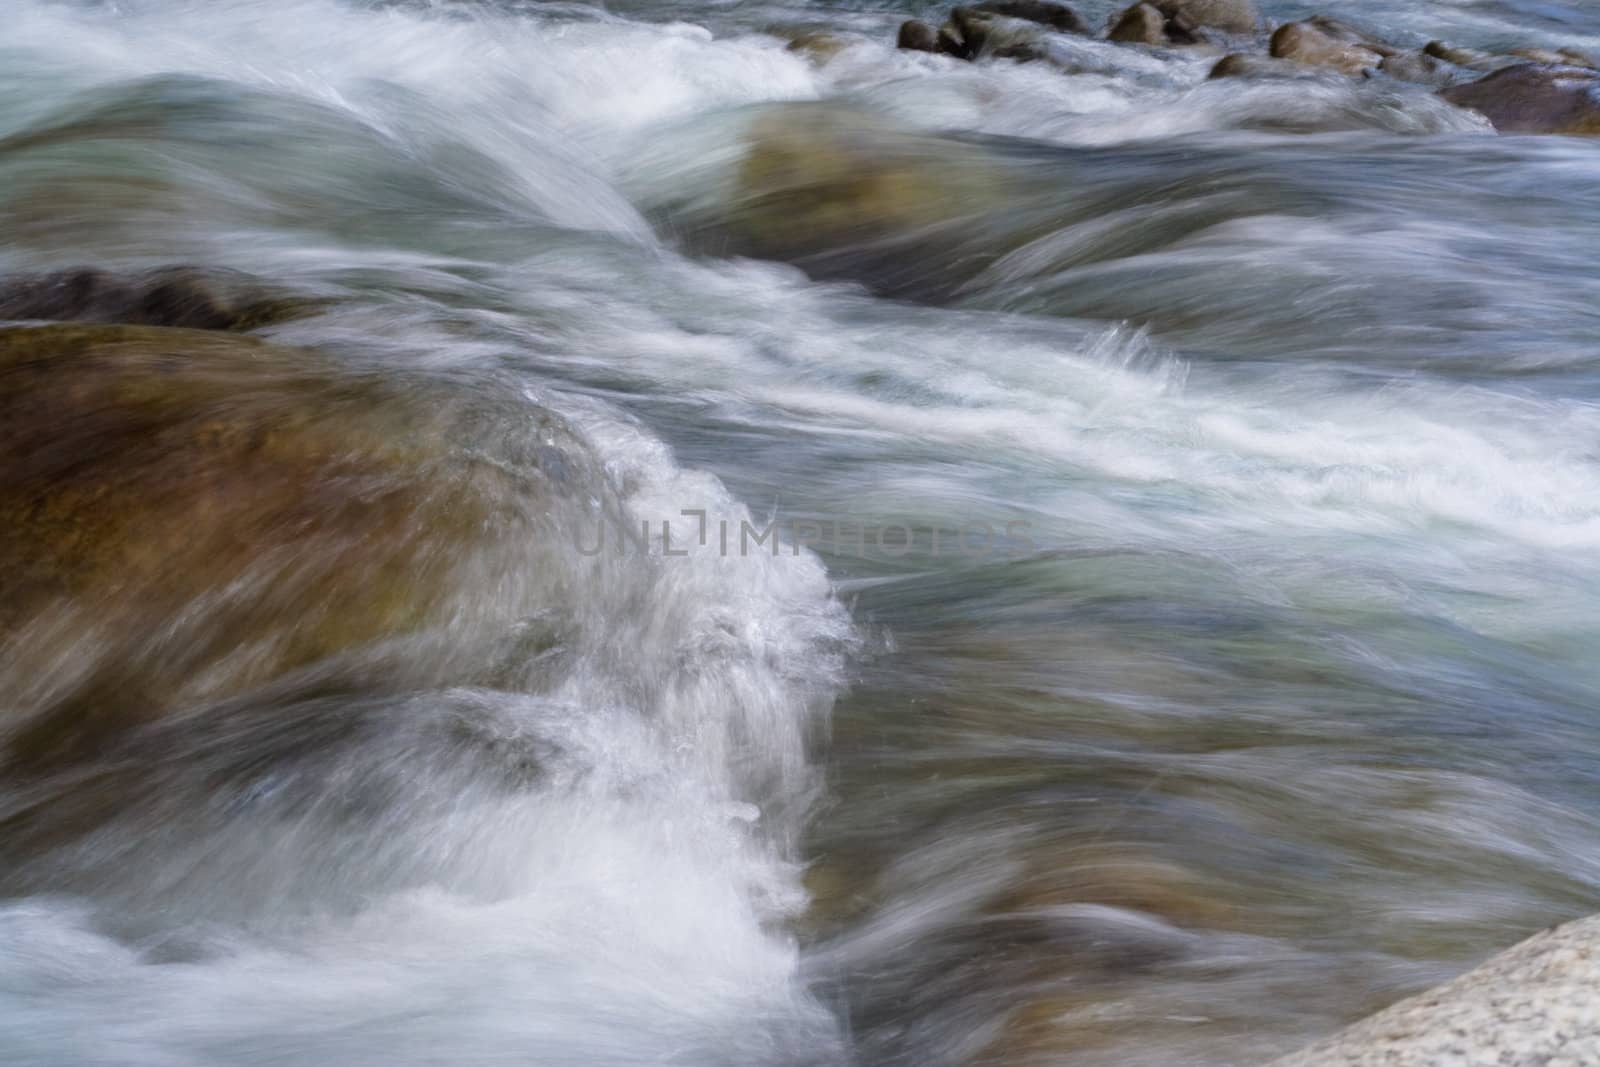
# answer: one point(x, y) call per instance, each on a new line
point(917, 36)
point(845, 194)
point(951, 44)
point(1322, 42)
point(1534, 99)
point(1534, 1005)
point(1262, 68)
point(1058, 17)
point(998, 36)
point(208, 299)
point(1466, 58)
point(1556, 57)
point(190, 514)
point(1423, 69)
point(1228, 16)
point(1143, 23)
point(819, 46)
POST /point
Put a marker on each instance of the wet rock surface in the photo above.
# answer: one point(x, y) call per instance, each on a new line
point(1141, 24)
point(192, 513)
point(1228, 16)
point(189, 297)
point(1058, 17)
point(1323, 43)
point(1535, 99)
point(1243, 65)
point(1533, 1006)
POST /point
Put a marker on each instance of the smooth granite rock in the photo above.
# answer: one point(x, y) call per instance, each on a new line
point(1535, 1005)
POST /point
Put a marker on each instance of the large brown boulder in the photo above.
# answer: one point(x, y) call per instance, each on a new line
point(191, 514)
point(1535, 99)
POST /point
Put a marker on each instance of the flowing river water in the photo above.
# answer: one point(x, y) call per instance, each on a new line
point(1182, 636)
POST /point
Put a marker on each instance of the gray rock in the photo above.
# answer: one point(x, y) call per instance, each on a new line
point(1535, 1005)
point(1535, 99)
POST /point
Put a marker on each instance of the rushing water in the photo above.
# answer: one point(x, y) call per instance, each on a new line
point(1261, 692)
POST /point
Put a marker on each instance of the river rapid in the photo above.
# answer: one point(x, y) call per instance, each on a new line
point(1181, 636)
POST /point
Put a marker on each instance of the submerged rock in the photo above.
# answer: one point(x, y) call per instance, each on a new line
point(819, 46)
point(1146, 23)
point(1058, 17)
point(1466, 58)
point(847, 195)
point(1558, 57)
point(1533, 1004)
point(190, 514)
point(1244, 65)
point(1534, 99)
point(1423, 69)
point(1321, 42)
point(997, 36)
point(190, 297)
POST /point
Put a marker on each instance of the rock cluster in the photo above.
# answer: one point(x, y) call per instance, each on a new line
point(1525, 90)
